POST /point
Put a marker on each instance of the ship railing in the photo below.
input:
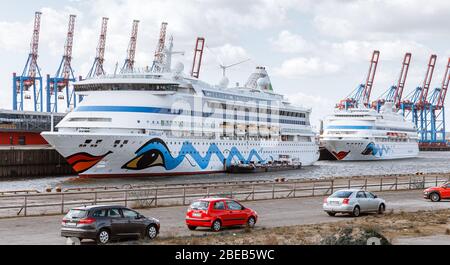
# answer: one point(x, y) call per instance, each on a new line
point(26, 204)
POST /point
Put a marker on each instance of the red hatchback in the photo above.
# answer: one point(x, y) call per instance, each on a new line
point(219, 212)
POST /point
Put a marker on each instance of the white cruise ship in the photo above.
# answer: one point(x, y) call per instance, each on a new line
point(167, 123)
point(365, 134)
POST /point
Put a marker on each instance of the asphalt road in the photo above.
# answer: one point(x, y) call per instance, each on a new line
point(272, 213)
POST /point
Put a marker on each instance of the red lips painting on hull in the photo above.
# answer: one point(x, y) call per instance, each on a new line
point(81, 162)
point(341, 155)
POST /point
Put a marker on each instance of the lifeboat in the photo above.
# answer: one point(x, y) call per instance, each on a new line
point(240, 129)
point(252, 130)
point(263, 130)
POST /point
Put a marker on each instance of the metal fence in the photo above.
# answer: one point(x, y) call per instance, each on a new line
point(24, 204)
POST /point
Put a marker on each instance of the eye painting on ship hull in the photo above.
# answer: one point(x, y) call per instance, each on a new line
point(156, 153)
point(81, 162)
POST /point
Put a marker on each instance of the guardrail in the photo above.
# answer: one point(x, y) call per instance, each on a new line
point(58, 202)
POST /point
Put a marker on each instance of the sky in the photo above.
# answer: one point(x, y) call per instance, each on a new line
point(315, 51)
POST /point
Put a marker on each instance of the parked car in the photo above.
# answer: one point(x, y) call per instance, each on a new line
point(354, 202)
point(435, 194)
point(104, 222)
point(219, 212)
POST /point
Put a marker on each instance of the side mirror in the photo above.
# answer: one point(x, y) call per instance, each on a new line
point(375, 196)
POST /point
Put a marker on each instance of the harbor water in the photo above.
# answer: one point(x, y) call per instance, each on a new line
point(427, 162)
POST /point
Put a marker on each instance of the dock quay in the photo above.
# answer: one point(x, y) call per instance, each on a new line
point(32, 161)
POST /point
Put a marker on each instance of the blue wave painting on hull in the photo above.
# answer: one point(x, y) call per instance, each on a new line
point(375, 150)
point(156, 153)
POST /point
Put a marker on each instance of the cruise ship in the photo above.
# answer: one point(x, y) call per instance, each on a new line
point(147, 123)
point(365, 134)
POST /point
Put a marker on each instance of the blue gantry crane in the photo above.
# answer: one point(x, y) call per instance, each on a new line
point(434, 113)
point(361, 95)
point(31, 74)
point(414, 104)
point(395, 92)
point(64, 76)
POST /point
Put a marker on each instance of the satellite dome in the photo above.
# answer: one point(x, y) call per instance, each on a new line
point(179, 67)
point(224, 82)
point(262, 82)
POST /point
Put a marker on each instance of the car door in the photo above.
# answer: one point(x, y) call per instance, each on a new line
point(118, 223)
point(219, 210)
point(446, 191)
point(362, 201)
point(372, 203)
point(236, 214)
point(134, 226)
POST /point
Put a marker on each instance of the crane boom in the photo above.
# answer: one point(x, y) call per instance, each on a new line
point(97, 68)
point(422, 100)
point(131, 52)
point(402, 80)
point(444, 87)
point(158, 61)
point(68, 48)
point(198, 55)
point(370, 78)
point(34, 46)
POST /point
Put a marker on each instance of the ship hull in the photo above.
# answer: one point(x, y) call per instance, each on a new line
point(364, 150)
point(109, 155)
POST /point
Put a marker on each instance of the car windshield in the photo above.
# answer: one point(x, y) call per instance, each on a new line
point(199, 205)
point(76, 214)
point(341, 194)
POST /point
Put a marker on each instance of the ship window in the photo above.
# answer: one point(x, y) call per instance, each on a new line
point(90, 120)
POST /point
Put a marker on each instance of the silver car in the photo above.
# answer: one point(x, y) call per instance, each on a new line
point(354, 202)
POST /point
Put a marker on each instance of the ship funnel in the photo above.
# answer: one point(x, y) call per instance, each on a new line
point(259, 80)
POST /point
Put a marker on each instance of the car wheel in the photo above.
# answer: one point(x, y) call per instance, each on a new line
point(435, 197)
point(152, 232)
point(331, 213)
point(381, 209)
point(191, 227)
point(356, 211)
point(103, 237)
point(251, 222)
point(216, 226)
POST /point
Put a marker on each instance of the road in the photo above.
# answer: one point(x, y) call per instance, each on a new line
point(272, 213)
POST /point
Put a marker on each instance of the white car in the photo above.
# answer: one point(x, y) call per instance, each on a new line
point(354, 202)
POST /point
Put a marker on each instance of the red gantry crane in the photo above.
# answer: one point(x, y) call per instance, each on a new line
point(395, 92)
point(64, 75)
point(31, 74)
point(158, 62)
point(97, 67)
point(361, 95)
point(128, 66)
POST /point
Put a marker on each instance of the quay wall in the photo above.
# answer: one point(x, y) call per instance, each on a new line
point(33, 161)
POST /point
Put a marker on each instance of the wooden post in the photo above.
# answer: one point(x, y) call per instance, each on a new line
point(365, 183)
point(295, 188)
point(184, 196)
point(381, 184)
point(273, 191)
point(436, 180)
point(62, 203)
point(349, 185)
point(25, 206)
point(332, 186)
point(423, 181)
point(253, 192)
point(95, 198)
point(409, 184)
point(314, 189)
point(156, 197)
point(207, 192)
point(126, 198)
point(396, 183)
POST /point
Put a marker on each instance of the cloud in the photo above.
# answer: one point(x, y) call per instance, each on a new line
point(301, 67)
point(290, 43)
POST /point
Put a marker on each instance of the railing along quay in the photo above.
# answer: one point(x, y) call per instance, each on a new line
point(29, 203)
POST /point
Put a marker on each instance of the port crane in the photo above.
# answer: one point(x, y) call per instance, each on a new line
point(31, 74)
point(64, 75)
point(128, 66)
point(395, 92)
point(415, 103)
point(361, 95)
point(158, 62)
point(435, 114)
point(198, 56)
point(97, 67)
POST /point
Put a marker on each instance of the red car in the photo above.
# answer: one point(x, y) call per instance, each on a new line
point(219, 212)
point(435, 194)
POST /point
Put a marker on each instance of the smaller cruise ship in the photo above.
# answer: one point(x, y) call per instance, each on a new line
point(365, 134)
